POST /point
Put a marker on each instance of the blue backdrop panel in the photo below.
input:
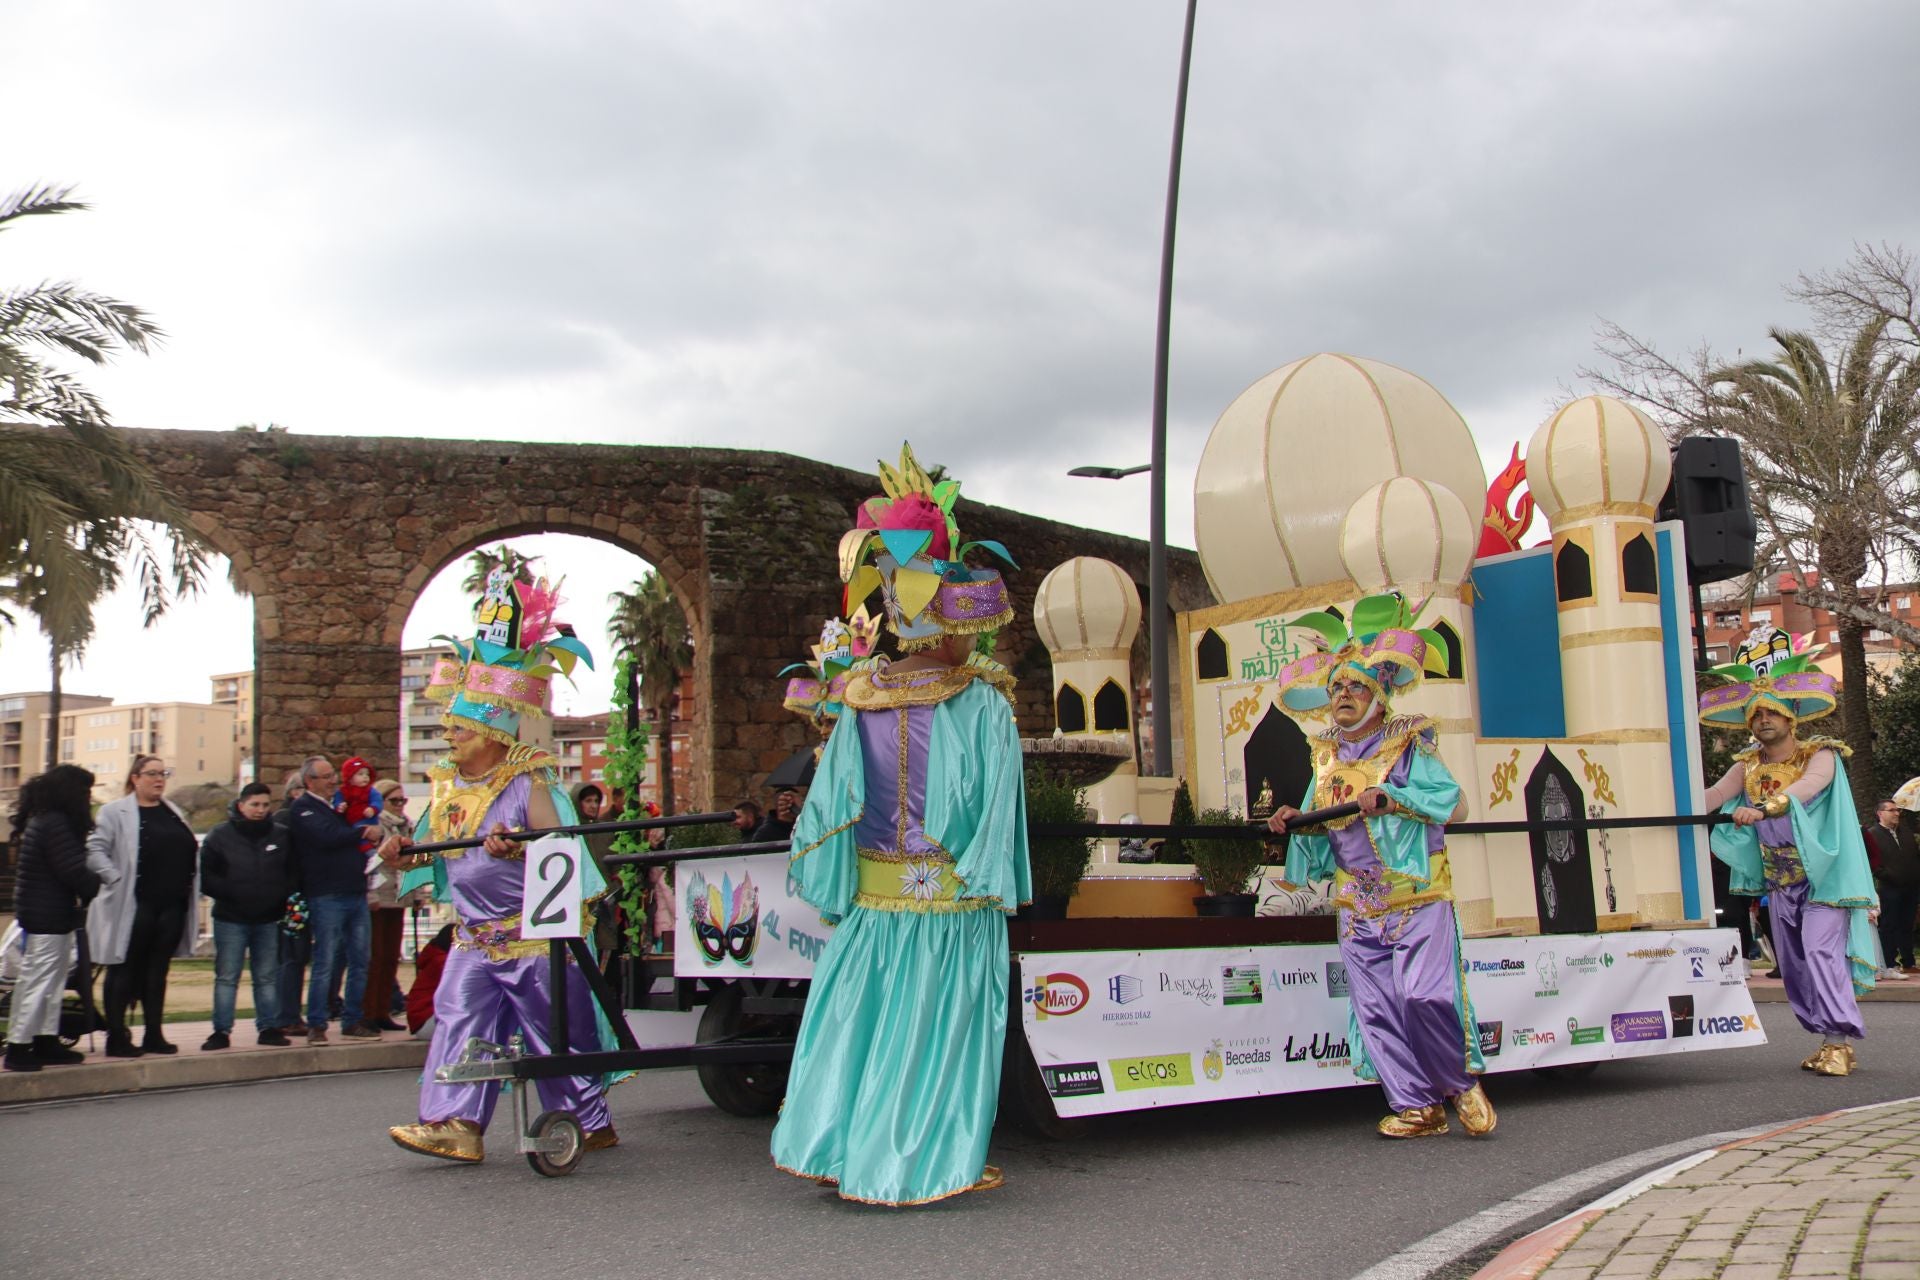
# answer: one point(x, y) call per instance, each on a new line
point(1517, 647)
point(1683, 734)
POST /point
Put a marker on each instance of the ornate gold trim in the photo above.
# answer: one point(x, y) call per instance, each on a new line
point(796, 855)
point(1595, 510)
point(1612, 635)
point(1092, 655)
point(1618, 736)
point(869, 691)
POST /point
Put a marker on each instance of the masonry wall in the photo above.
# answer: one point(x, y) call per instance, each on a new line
point(334, 538)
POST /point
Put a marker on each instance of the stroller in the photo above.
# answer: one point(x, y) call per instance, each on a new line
point(79, 1017)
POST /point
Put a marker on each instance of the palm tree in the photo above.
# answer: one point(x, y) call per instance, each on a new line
point(70, 487)
point(647, 625)
point(1831, 455)
point(482, 563)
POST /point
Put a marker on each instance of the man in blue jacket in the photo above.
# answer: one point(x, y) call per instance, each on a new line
point(333, 877)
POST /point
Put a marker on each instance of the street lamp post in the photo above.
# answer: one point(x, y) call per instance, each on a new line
point(1162, 764)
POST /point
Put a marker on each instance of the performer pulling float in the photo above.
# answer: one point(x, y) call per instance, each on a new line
point(495, 982)
point(1796, 837)
point(914, 839)
point(1410, 1023)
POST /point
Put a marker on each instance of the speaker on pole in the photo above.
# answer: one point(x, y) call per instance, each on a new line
point(1708, 496)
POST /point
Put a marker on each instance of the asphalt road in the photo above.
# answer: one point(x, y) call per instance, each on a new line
point(297, 1178)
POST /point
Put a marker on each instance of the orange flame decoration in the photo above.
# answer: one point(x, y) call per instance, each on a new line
point(1501, 529)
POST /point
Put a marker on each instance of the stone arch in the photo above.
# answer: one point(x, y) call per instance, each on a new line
point(334, 537)
point(457, 543)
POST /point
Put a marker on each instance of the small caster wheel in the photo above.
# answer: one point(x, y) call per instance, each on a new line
point(561, 1130)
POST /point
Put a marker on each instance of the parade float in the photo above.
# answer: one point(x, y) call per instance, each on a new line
point(1564, 696)
point(1559, 679)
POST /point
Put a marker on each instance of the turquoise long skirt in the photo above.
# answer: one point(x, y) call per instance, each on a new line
point(896, 1071)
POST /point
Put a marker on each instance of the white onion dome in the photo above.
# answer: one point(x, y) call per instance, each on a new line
point(1291, 454)
point(1408, 531)
point(1087, 604)
point(1598, 455)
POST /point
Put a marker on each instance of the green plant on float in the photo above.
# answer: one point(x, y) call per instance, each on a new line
point(1175, 849)
point(1225, 866)
point(1058, 862)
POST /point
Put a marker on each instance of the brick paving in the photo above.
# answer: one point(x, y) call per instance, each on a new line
point(1838, 1196)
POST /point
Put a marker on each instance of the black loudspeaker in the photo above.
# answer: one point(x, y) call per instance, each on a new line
point(1709, 497)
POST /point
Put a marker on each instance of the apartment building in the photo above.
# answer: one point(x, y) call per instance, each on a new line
point(194, 738)
point(580, 743)
point(23, 737)
point(235, 690)
point(1730, 618)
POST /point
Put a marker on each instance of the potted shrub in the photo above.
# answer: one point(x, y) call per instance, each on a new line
point(1225, 867)
point(1058, 861)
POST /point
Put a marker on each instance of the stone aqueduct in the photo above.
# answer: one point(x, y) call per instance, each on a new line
point(334, 537)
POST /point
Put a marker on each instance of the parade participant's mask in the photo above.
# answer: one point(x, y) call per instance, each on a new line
point(1380, 650)
point(906, 544)
point(1771, 674)
point(506, 670)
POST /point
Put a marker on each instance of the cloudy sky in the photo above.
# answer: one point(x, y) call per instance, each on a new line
point(822, 228)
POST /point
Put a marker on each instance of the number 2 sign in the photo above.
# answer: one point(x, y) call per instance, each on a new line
point(552, 889)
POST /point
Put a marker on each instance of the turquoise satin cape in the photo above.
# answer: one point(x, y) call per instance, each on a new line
point(896, 1070)
point(1827, 833)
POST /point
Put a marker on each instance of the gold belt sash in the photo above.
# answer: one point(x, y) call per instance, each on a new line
point(1376, 893)
point(501, 940)
point(1781, 866)
point(910, 882)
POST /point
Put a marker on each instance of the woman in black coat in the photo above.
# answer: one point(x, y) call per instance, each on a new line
point(52, 887)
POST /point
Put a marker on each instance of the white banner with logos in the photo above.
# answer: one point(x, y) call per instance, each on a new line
point(1123, 1030)
point(740, 918)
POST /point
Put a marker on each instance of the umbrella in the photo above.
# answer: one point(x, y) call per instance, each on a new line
point(1908, 796)
point(795, 771)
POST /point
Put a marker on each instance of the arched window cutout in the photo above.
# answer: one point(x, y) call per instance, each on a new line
point(1070, 710)
point(1210, 657)
point(1572, 574)
point(1455, 658)
point(1639, 571)
point(1110, 707)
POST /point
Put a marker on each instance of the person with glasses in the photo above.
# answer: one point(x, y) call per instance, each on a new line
point(151, 912)
point(497, 983)
point(1896, 874)
point(1411, 1025)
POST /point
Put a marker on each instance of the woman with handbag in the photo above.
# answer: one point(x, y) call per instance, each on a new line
point(151, 913)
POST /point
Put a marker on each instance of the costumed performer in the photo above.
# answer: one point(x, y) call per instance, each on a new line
point(1796, 838)
point(1410, 1024)
point(496, 982)
point(914, 841)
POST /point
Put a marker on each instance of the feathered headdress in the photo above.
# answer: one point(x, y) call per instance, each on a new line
point(918, 560)
point(1773, 670)
point(507, 670)
point(844, 647)
point(1379, 646)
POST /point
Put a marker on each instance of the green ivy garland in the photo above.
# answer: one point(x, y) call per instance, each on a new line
point(626, 765)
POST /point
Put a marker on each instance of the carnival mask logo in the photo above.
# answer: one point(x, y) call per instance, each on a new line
point(725, 918)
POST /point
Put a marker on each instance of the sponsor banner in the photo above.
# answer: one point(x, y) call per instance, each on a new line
point(739, 917)
point(1121, 1030)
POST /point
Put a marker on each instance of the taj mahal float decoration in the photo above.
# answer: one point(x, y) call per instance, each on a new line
point(1568, 686)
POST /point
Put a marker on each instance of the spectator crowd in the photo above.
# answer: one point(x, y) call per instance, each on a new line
point(299, 901)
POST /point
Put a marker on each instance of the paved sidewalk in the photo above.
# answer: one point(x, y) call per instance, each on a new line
point(100, 1074)
point(1835, 1195)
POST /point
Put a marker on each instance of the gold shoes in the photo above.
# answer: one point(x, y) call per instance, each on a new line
point(1475, 1112)
point(447, 1139)
point(1831, 1060)
point(600, 1139)
point(990, 1179)
point(1419, 1122)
